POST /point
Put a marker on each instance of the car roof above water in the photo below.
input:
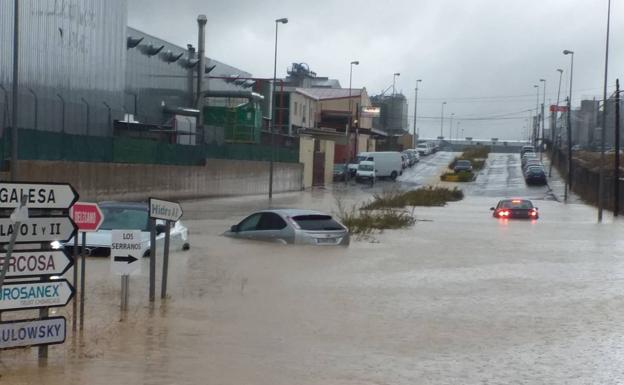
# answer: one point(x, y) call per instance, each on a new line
point(293, 212)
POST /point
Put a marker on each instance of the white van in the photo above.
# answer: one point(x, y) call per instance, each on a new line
point(388, 164)
point(365, 172)
point(425, 148)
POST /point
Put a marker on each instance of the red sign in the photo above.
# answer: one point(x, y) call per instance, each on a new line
point(87, 216)
point(555, 108)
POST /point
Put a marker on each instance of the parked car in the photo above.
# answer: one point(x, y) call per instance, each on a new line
point(340, 171)
point(404, 161)
point(353, 166)
point(291, 226)
point(526, 149)
point(414, 153)
point(462, 165)
point(535, 175)
point(388, 164)
point(515, 208)
point(129, 216)
point(366, 172)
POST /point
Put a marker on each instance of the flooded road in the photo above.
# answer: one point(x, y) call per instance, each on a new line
point(459, 298)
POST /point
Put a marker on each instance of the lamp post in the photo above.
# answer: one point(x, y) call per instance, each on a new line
point(416, 134)
point(536, 121)
point(442, 121)
point(569, 126)
point(349, 128)
point(543, 120)
point(552, 134)
point(451, 126)
point(277, 22)
point(604, 122)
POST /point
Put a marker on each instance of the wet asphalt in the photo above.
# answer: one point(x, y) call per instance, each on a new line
point(459, 298)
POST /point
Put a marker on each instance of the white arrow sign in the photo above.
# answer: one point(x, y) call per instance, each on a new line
point(125, 251)
point(39, 229)
point(46, 331)
point(169, 211)
point(38, 195)
point(37, 263)
point(32, 295)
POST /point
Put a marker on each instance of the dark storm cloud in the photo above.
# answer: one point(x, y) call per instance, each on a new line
point(493, 50)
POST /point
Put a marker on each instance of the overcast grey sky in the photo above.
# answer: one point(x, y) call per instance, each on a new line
point(481, 56)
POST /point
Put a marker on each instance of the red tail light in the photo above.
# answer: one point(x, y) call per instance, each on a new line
point(503, 213)
point(533, 213)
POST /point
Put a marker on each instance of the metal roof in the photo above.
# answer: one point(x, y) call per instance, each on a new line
point(330, 93)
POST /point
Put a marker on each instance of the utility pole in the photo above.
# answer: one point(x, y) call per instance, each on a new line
point(616, 172)
point(416, 134)
point(552, 136)
point(442, 121)
point(543, 122)
point(15, 94)
point(604, 122)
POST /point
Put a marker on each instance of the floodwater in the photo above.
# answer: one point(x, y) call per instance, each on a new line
point(459, 298)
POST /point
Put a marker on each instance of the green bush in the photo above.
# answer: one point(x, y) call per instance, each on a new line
point(362, 222)
point(427, 196)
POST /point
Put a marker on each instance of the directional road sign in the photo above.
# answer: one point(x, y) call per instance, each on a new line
point(38, 195)
point(160, 209)
point(38, 229)
point(125, 251)
point(87, 216)
point(46, 331)
point(24, 263)
point(32, 295)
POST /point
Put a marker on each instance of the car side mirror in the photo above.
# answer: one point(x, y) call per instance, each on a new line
point(492, 208)
point(234, 228)
point(160, 228)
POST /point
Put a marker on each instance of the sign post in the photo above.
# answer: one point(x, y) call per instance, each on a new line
point(125, 259)
point(88, 217)
point(47, 222)
point(169, 212)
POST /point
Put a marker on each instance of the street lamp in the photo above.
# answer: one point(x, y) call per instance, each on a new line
point(569, 127)
point(543, 121)
point(442, 121)
point(348, 130)
point(277, 22)
point(451, 127)
point(415, 136)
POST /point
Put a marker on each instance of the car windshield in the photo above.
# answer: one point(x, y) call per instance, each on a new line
point(360, 158)
point(122, 218)
point(463, 163)
point(516, 204)
point(365, 167)
point(339, 167)
point(317, 222)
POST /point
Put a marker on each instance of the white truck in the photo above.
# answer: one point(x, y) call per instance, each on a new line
point(425, 148)
point(388, 164)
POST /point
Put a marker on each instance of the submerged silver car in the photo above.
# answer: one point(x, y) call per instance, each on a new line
point(291, 226)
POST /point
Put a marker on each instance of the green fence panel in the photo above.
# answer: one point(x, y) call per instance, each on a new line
point(129, 150)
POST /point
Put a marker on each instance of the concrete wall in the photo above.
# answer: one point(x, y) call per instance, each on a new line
point(130, 182)
point(306, 157)
point(327, 146)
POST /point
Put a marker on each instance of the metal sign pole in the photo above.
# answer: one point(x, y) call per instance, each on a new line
point(75, 282)
point(7, 257)
point(43, 350)
point(82, 278)
point(163, 287)
point(152, 272)
point(125, 293)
